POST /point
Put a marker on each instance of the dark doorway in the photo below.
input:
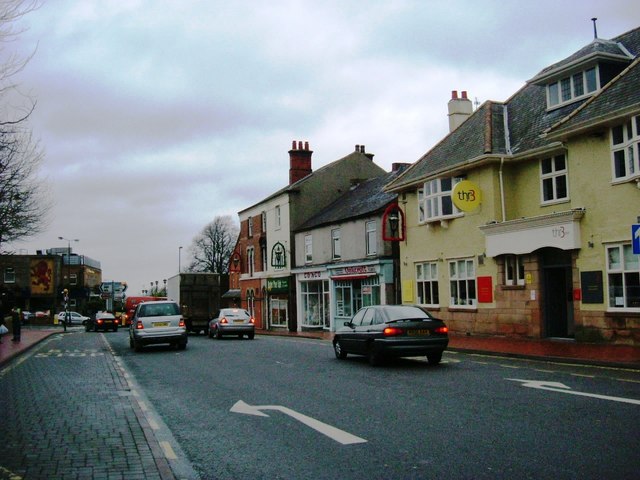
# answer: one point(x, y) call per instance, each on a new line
point(557, 293)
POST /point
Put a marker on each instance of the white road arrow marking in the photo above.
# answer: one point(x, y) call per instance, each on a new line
point(562, 388)
point(334, 433)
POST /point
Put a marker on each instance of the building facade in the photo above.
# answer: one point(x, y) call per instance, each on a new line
point(344, 258)
point(36, 282)
point(266, 247)
point(519, 222)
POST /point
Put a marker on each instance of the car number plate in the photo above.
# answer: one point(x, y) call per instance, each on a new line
point(160, 324)
point(238, 321)
point(419, 333)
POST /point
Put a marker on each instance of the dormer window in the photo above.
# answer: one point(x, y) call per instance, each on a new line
point(572, 88)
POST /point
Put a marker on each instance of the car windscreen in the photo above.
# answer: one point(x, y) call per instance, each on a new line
point(400, 312)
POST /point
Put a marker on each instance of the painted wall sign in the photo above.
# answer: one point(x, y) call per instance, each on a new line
point(466, 196)
point(278, 285)
point(485, 290)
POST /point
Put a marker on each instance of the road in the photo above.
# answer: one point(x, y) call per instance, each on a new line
point(285, 408)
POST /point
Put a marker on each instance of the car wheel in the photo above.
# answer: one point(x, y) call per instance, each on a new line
point(218, 333)
point(131, 344)
point(87, 328)
point(374, 358)
point(434, 358)
point(137, 346)
point(182, 346)
point(337, 349)
point(115, 329)
point(240, 336)
point(251, 336)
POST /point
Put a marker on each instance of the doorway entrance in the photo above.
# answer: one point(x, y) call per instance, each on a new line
point(557, 293)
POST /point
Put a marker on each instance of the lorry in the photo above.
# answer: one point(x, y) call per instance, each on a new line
point(199, 295)
point(130, 305)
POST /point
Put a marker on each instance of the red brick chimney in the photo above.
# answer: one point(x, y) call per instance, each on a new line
point(299, 161)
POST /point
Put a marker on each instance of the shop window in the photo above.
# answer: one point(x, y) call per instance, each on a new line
point(315, 303)
point(278, 311)
point(623, 272)
point(462, 282)
point(513, 270)
point(427, 283)
point(344, 308)
point(9, 275)
point(370, 291)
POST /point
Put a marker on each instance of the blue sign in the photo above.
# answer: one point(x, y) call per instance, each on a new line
point(635, 238)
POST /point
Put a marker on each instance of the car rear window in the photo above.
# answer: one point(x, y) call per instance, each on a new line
point(235, 313)
point(159, 310)
point(399, 313)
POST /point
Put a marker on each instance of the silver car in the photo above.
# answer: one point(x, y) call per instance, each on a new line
point(232, 321)
point(155, 323)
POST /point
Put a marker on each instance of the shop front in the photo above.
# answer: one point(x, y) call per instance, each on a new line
point(278, 297)
point(314, 299)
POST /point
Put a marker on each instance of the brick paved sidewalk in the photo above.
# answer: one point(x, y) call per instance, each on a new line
point(68, 413)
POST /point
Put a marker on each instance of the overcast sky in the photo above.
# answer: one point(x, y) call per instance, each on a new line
point(156, 116)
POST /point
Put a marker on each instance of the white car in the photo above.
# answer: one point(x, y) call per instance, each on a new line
point(74, 317)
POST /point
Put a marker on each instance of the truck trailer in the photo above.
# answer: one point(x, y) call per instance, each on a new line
point(198, 295)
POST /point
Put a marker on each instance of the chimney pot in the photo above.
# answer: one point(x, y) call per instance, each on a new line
point(464, 94)
point(293, 145)
point(306, 145)
point(454, 94)
point(357, 148)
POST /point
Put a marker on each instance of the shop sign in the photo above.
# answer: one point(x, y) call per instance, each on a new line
point(355, 270)
point(277, 285)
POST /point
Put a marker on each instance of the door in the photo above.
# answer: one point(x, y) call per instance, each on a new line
point(557, 293)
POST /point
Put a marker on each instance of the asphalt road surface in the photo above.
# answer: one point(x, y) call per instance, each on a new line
point(286, 408)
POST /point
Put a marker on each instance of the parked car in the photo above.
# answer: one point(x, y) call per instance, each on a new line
point(103, 321)
point(74, 317)
point(381, 331)
point(156, 323)
point(27, 316)
point(232, 321)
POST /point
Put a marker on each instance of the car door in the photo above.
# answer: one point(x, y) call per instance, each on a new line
point(347, 334)
point(364, 333)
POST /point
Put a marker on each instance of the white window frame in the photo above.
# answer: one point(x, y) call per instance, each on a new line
point(73, 279)
point(552, 178)
point(264, 221)
point(278, 217)
point(427, 281)
point(280, 305)
point(250, 226)
point(462, 283)
point(625, 266)
point(433, 200)
point(308, 248)
point(626, 151)
point(578, 88)
point(371, 238)
point(514, 270)
point(9, 275)
point(251, 261)
point(336, 250)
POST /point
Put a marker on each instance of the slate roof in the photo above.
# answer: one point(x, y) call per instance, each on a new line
point(519, 125)
point(364, 199)
point(296, 185)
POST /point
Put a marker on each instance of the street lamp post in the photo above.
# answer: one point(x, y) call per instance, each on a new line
point(68, 289)
point(179, 258)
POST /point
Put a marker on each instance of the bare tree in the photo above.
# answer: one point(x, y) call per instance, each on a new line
point(23, 202)
point(211, 249)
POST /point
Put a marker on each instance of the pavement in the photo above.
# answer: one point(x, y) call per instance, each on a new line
point(555, 350)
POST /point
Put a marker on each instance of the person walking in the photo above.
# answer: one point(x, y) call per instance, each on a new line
point(16, 323)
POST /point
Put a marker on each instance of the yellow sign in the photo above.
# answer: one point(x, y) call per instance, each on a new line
point(41, 277)
point(466, 196)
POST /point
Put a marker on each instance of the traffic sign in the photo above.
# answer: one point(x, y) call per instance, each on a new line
point(635, 238)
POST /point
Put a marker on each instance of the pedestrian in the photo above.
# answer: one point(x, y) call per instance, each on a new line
point(3, 327)
point(16, 323)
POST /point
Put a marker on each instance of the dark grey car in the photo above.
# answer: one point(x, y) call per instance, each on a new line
point(156, 323)
point(381, 331)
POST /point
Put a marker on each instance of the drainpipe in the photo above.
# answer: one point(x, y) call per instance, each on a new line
point(504, 215)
